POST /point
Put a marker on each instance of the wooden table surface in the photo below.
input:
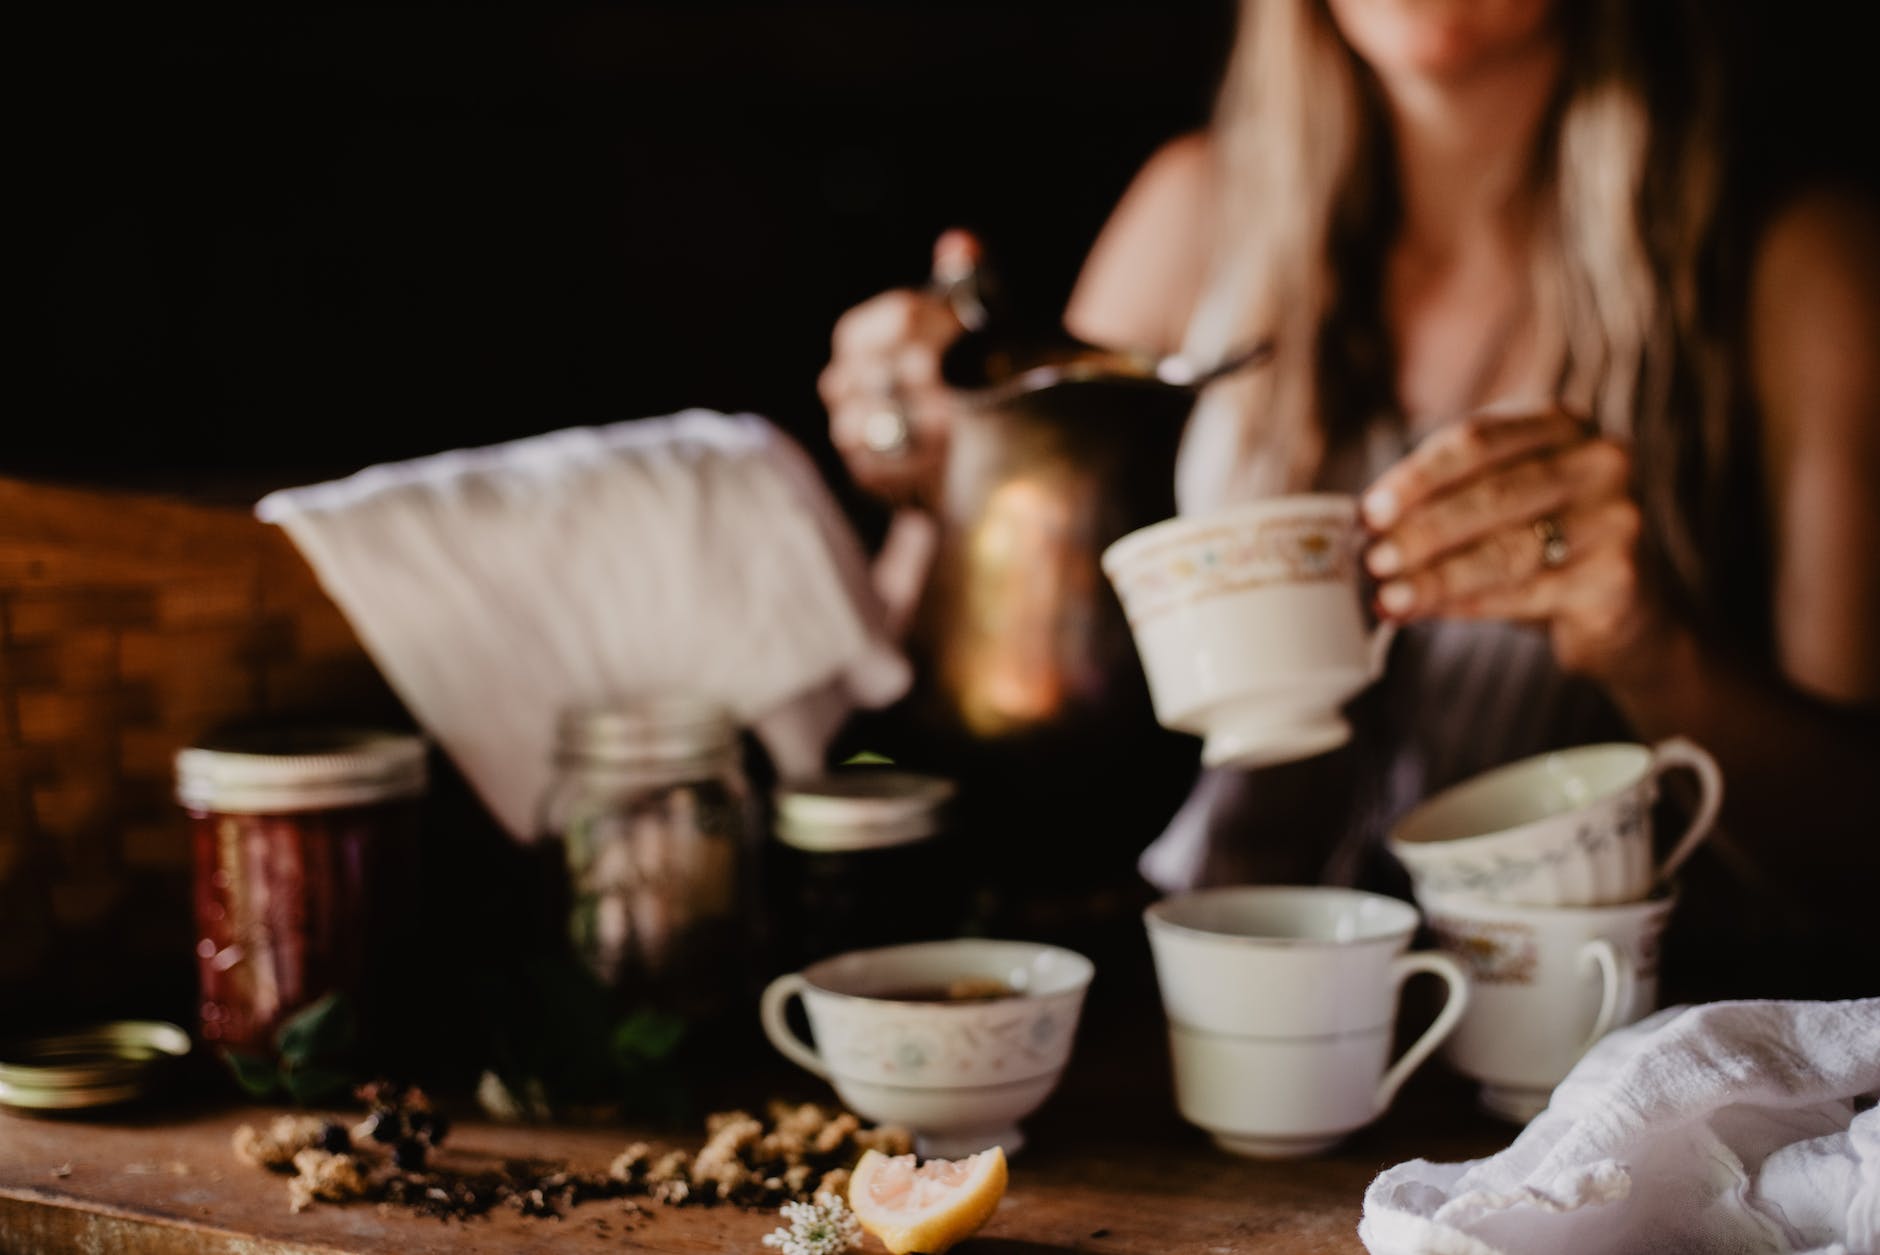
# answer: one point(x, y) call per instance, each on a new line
point(1110, 1168)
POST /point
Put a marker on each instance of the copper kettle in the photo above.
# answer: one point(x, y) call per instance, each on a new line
point(1028, 690)
point(1058, 449)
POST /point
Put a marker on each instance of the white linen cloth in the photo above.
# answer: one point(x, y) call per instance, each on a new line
point(1720, 1128)
point(698, 553)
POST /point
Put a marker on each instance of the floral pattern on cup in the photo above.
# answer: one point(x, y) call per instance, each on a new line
point(945, 1046)
point(1495, 953)
point(1645, 960)
point(1300, 549)
point(1629, 823)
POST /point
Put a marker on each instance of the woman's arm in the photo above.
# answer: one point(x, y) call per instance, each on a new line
point(1144, 274)
point(1799, 743)
point(1801, 749)
point(1815, 346)
point(1136, 290)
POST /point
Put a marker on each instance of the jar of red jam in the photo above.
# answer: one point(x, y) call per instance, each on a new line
point(305, 843)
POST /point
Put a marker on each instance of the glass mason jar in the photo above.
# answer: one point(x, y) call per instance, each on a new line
point(306, 849)
point(651, 809)
point(862, 862)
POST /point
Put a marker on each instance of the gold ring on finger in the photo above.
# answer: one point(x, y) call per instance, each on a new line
point(886, 431)
point(1554, 547)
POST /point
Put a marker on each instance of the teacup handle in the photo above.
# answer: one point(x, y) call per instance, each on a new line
point(1669, 755)
point(771, 1008)
point(1402, 969)
point(1618, 982)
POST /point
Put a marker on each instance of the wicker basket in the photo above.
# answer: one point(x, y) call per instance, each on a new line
point(129, 626)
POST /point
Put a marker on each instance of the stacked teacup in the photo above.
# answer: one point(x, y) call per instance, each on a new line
point(1541, 877)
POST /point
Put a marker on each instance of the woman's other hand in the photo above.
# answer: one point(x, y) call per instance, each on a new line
point(1517, 514)
point(889, 410)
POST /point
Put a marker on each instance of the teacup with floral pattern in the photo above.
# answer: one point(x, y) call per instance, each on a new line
point(1568, 828)
point(1250, 625)
point(1546, 983)
point(960, 1074)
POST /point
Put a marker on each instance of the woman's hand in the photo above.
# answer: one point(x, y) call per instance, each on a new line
point(1517, 515)
point(889, 410)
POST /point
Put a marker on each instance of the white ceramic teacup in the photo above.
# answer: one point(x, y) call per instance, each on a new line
point(1547, 982)
point(1282, 1006)
point(1569, 828)
point(1250, 626)
point(960, 1075)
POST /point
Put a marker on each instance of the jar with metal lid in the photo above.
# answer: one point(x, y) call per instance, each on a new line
point(305, 844)
point(862, 861)
point(650, 805)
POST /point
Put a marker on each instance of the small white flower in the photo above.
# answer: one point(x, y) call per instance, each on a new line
point(823, 1227)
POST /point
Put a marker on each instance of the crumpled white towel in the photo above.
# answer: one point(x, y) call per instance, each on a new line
point(1726, 1127)
point(698, 553)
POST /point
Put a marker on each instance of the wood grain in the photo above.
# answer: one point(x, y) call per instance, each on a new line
point(1110, 1170)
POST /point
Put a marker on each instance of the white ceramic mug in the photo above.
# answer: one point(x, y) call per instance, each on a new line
point(960, 1075)
point(1569, 828)
point(1547, 982)
point(1249, 624)
point(1282, 1006)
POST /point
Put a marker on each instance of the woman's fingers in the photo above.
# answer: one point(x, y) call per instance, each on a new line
point(925, 410)
point(882, 324)
point(889, 346)
point(885, 345)
point(1512, 494)
point(1460, 452)
point(889, 407)
point(903, 470)
point(1507, 575)
point(1593, 607)
point(1515, 517)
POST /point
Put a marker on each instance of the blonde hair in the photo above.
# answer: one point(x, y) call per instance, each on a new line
point(1625, 184)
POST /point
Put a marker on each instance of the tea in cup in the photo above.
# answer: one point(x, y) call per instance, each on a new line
point(956, 1040)
point(1546, 983)
point(1282, 1009)
point(1250, 626)
point(1568, 828)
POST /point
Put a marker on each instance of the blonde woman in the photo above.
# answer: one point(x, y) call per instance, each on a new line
point(1619, 447)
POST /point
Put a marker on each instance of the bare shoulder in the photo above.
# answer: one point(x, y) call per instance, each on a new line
point(1818, 225)
point(1144, 273)
point(1815, 312)
point(1184, 164)
point(1814, 324)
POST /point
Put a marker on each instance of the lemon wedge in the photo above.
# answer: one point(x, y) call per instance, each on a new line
point(926, 1208)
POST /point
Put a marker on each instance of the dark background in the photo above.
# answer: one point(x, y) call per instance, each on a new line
point(308, 238)
point(298, 238)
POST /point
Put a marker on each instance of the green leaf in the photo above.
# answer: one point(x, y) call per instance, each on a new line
point(253, 1073)
point(868, 758)
point(322, 1030)
point(310, 1085)
point(648, 1035)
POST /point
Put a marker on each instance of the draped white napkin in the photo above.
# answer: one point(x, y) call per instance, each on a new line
point(1721, 1128)
point(698, 553)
